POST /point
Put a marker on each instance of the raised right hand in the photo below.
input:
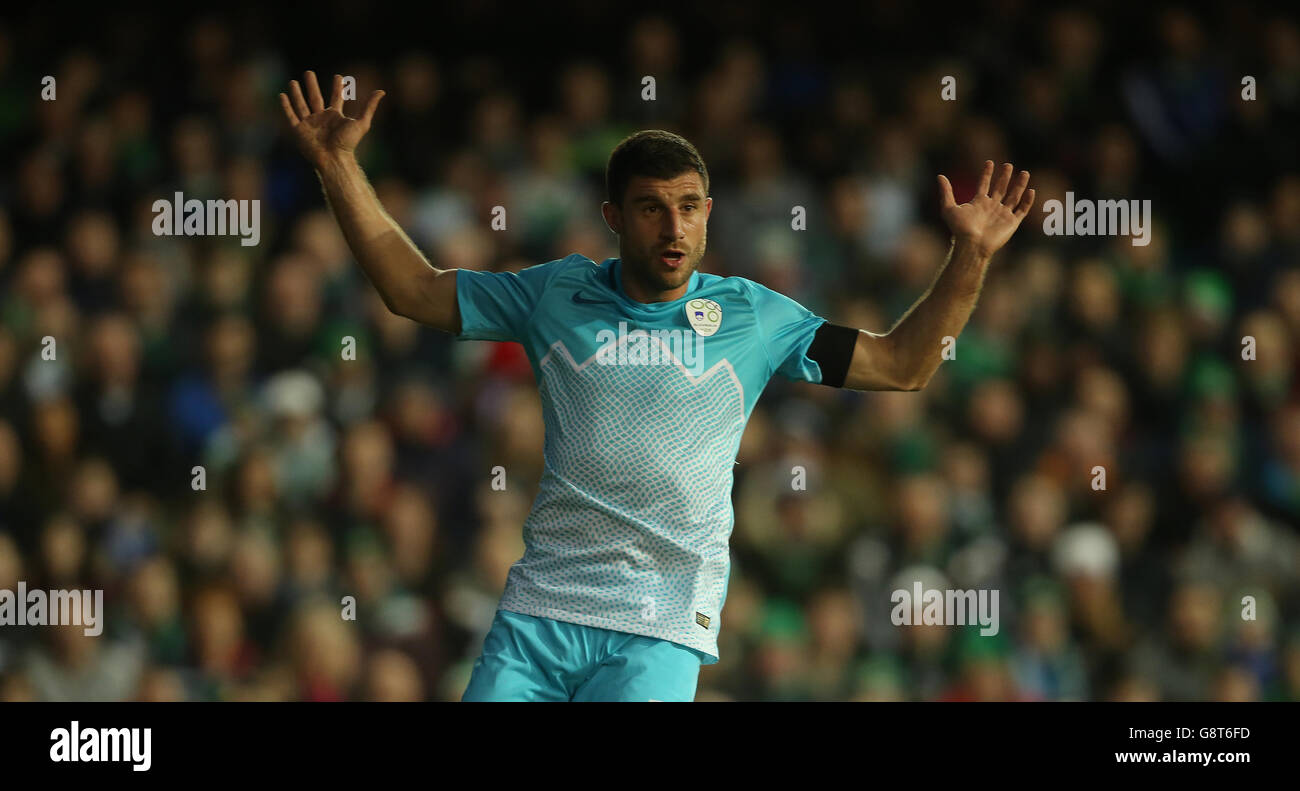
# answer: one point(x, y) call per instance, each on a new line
point(324, 132)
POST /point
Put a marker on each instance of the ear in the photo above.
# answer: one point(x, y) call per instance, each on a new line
point(613, 217)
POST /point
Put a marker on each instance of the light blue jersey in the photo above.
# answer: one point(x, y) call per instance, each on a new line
point(644, 407)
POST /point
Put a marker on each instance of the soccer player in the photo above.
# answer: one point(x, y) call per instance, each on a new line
point(648, 371)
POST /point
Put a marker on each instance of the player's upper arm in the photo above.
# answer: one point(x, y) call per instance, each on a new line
point(804, 347)
point(435, 304)
point(856, 359)
point(497, 306)
point(786, 329)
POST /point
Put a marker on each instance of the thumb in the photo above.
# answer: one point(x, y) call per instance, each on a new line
point(946, 200)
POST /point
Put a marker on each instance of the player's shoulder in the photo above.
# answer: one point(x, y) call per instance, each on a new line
point(573, 266)
point(571, 262)
point(543, 276)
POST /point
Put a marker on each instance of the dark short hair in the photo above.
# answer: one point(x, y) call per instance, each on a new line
point(652, 153)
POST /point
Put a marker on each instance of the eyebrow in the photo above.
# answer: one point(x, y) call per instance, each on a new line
point(655, 198)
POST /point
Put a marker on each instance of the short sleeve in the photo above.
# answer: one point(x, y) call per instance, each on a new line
point(496, 306)
point(786, 329)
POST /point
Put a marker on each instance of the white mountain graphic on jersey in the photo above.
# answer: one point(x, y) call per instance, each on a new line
point(657, 441)
point(633, 515)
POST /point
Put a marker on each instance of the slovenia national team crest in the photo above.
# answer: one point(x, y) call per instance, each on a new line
point(705, 316)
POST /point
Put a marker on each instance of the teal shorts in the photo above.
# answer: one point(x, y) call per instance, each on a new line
point(526, 658)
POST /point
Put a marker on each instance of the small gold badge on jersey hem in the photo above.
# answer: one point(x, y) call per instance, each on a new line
point(702, 619)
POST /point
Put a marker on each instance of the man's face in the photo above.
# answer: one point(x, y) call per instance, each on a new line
point(659, 217)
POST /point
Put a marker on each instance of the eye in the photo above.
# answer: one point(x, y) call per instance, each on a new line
point(689, 207)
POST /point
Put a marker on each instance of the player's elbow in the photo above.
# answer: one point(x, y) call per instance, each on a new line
point(395, 306)
point(882, 362)
point(919, 377)
point(915, 383)
point(908, 372)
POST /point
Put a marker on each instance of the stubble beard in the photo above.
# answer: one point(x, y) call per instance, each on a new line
point(648, 274)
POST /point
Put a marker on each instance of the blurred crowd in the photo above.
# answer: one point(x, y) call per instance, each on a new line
point(324, 478)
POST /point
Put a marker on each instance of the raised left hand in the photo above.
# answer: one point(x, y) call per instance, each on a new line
point(991, 217)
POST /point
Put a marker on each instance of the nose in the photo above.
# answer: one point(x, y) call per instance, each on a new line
point(674, 226)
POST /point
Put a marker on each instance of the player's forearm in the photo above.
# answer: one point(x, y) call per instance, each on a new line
point(392, 262)
point(917, 339)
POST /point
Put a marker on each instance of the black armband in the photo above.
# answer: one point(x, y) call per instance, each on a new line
point(832, 349)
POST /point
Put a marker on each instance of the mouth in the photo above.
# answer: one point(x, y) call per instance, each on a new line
point(672, 258)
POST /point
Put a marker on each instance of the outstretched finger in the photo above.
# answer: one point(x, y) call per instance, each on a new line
point(313, 92)
point(946, 200)
point(370, 107)
point(985, 178)
point(288, 110)
point(1017, 189)
point(299, 104)
point(1004, 179)
point(336, 94)
point(1026, 203)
